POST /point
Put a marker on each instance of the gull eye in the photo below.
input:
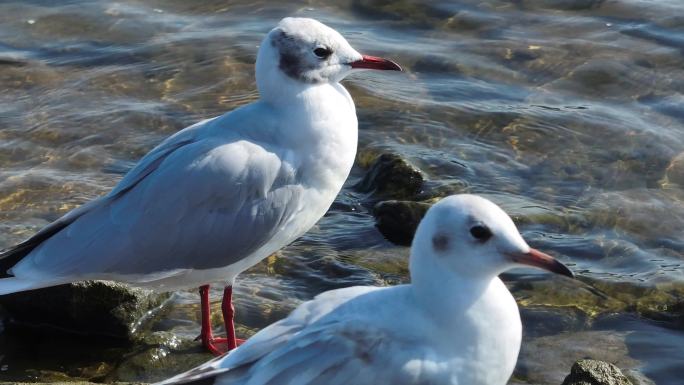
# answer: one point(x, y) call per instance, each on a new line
point(322, 52)
point(481, 233)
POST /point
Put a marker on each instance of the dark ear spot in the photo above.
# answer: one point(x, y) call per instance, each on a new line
point(440, 242)
point(293, 58)
point(290, 65)
point(288, 61)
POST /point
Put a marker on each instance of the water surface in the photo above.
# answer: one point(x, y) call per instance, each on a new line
point(566, 113)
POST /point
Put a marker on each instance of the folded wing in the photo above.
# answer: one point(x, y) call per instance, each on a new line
point(190, 204)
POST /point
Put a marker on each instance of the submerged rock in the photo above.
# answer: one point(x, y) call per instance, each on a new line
point(391, 176)
point(398, 220)
point(594, 372)
point(91, 307)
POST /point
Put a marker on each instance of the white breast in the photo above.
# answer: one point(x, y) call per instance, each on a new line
point(492, 331)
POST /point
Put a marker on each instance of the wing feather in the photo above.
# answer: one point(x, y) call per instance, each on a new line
point(334, 353)
point(315, 345)
point(190, 204)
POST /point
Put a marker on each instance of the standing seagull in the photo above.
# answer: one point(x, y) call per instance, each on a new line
point(455, 323)
point(219, 196)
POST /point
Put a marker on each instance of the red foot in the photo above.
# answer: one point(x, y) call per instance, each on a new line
point(215, 347)
point(218, 345)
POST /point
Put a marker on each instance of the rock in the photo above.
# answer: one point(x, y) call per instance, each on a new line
point(91, 307)
point(155, 363)
point(391, 176)
point(398, 220)
point(594, 372)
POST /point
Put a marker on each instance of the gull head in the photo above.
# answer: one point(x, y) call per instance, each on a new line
point(308, 52)
point(472, 237)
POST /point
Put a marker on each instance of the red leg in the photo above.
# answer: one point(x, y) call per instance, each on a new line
point(206, 334)
point(228, 317)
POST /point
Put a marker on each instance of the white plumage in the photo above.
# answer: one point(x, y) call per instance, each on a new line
point(456, 322)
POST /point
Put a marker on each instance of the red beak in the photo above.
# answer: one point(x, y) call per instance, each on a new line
point(543, 261)
point(375, 63)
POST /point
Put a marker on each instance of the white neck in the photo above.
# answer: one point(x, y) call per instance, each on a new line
point(318, 122)
point(443, 293)
point(435, 278)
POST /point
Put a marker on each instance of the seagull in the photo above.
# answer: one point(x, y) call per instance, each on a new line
point(455, 323)
point(221, 195)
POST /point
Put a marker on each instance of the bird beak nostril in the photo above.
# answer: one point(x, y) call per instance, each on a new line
point(375, 63)
point(543, 261)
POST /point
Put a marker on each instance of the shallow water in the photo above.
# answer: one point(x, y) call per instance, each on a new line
point(567, 113)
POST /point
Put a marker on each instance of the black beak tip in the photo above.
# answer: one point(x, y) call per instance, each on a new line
point(564, 270)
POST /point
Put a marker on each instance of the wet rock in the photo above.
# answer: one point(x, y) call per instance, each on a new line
point(663, 302)
point(398, 220)
point(593, 372)
point(391, 176)
point(158, 363)
point(91, 307)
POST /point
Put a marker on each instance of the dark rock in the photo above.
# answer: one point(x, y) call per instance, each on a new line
point(398, 220)
point(391, 176)
point(91, 307)
point(593, 372)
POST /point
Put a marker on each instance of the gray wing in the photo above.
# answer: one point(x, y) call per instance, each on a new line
point(336, 353)
point(190, 204)
point(320, 345)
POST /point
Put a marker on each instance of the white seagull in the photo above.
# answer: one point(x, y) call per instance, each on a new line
point(455, 323)
point(219, 196)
